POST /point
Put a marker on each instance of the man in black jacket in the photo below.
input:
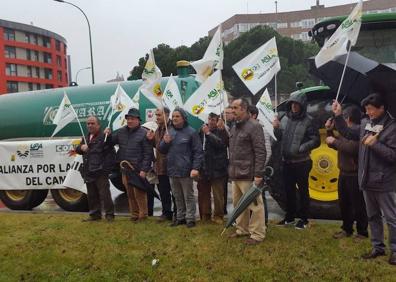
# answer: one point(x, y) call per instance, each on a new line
point(298, 138)
point(376, 169)
point(98, 160)
point(136, 149)
point(214, 170)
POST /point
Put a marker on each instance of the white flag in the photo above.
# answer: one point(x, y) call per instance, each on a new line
point(64, 115)
point(266, 113)
point(258, 68)
point(212, 59)
point(207, 98)
point(337, 44)
point(120, 101)
point(151, 72)
point(171, 97)
point(151, 87)
point(129, 103)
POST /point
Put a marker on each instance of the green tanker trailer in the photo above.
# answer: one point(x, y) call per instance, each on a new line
point(27, 117)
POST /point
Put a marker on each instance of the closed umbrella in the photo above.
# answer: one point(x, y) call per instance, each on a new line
point(135, 180)
point(245, 201)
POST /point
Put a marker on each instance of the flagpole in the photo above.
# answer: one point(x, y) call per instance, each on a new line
point(343, 71)
point(276, 95)
point(108, 126)
point(79, 124)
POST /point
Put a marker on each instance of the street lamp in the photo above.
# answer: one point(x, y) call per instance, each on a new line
point(86, 68)
point(90, 38)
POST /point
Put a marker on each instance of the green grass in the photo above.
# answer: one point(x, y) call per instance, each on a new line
point(59, 247)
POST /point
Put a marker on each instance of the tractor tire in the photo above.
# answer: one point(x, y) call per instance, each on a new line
point(70, 199)
point(22, 199)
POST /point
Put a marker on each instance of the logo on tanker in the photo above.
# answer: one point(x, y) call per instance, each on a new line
point(23, 151)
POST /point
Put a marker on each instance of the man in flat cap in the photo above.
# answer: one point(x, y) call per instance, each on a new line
point(137, 151)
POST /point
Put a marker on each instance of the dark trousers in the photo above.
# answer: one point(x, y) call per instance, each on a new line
point(380, 205)
point(225, 194)
point(164, 189)
point(352, 205)
point(296, 175)
point(166, 197)
point(98, 192)
point(150, 203)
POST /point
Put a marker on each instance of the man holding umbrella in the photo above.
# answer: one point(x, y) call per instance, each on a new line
point(135, 149)
point(247, 164)
point(376, 169)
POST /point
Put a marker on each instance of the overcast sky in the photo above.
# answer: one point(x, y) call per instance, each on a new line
point(125, 30)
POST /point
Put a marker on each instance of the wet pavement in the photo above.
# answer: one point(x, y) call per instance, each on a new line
point(121, 205)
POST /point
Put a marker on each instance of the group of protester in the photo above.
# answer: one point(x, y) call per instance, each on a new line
point(235, 148)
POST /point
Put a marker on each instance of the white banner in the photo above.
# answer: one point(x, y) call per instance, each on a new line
point(171, 97)
point(266, 113)
point(212, 59)
point(337, 43)
point(258, 68)
point(38, 164)
point(208, 98)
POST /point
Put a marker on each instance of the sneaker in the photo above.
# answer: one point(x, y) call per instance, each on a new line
point(285, 222)
point(374, 253)
point(178, 222)
point(190, 224)
point(301, 224)
point(341, 234)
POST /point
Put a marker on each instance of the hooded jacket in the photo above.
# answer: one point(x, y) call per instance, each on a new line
point(184, 153)
point(297, 134)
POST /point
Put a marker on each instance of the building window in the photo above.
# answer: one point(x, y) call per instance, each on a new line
point(295, 24)
point(57, 45)
point(28, 54)
point(35, 39)
point(47, 58)
point(64, 49)
point(36, 56)
point(30, 86)
point(59, 75)
point(27, 37)
point(11, 70)
point(282, 25)
point(48, 73)
point(46, 42)
point(9, 34)
point(12, 86)
point(49, 86)
point(307, 23)
point(58, 61)
point(38, 86)
point(10, 52)
point(37, 72)
point(29, 71)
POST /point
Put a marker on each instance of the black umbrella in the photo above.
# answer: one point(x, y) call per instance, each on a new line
point(383, 79)
point(362, 77)
point(135, 180)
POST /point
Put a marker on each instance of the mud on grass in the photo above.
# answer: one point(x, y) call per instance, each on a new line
point(59, 247)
